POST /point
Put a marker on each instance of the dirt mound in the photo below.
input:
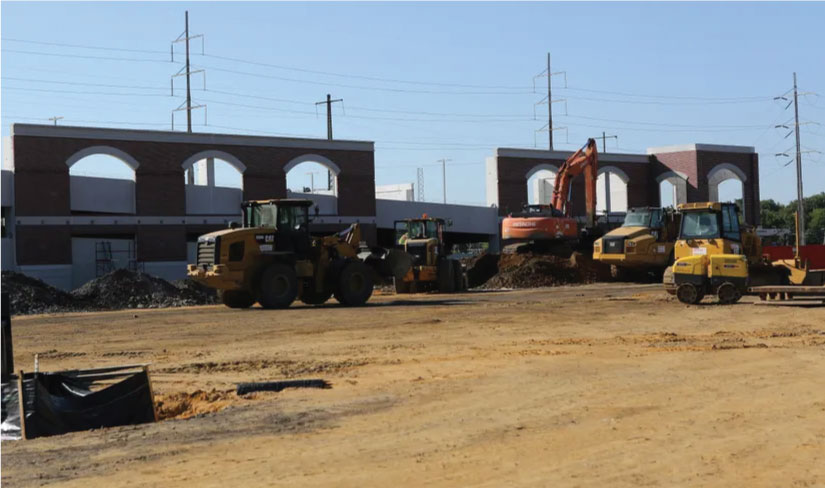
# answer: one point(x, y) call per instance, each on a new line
point(529, 270)
point(119, 289)
point(28, 295)
point(126, 289)
point(183, 405)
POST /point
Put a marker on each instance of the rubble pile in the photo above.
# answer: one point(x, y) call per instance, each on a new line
point(126, 289)
point(30, 295)
point(119, 289)
point(529, 270)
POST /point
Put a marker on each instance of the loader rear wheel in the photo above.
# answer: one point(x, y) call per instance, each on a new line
point(354, 284)
point(237, 298)
point(728, 293)
point(279, 286)
point(689, 294)
point(446, 276)
point(311, 296)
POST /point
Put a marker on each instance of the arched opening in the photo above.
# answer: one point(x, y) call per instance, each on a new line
point(102, 180)
point(672, 188)
point(726, 183)
point(540, 183)
point(667, 194)
point(611, 190)
point(314, 177)
point(214, 183)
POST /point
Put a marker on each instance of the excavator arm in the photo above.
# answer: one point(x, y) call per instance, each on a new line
point(585, 160)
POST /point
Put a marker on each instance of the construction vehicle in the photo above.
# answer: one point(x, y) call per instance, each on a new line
point(272, 259)
point(544, 227)
point(801, 280)
point(644, 242)
point(715, 254)
point(431, 268)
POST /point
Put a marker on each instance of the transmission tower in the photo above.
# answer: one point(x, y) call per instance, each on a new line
point(187, 72)
point(549, 100)
point(800, 208)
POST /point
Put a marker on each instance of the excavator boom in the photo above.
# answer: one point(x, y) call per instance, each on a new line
point(585, 160)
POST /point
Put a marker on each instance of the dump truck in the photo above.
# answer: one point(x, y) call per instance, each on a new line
point(430, 268)
point(272, 258)
point(643, 243)
point(715, 254)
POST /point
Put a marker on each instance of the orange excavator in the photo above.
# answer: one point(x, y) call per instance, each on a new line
point(543, 227)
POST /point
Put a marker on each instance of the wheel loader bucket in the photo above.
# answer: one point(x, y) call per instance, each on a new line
point(393, 263)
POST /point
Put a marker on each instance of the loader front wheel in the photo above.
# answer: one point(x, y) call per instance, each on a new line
point(279, 286)
point(446, 276)
point(689, 294)
point(237, 298)
point(354, 284)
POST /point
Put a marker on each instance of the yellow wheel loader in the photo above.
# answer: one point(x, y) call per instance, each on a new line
point(644, 242)
point(272, 259)
point(431, 268)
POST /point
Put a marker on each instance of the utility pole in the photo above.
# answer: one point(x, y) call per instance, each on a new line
point(800, 208)
point(444, 176)
point(187, 72)
point(329, 101)
point(311, 181)
point(188, 76)
point(604, 141)
point(55, 119)
point(549, 126)
point(420, 175)
point(549, 103)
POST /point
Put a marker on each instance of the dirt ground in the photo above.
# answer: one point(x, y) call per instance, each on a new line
point(593, 386)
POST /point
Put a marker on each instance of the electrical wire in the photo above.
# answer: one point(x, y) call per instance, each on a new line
point(81, 46)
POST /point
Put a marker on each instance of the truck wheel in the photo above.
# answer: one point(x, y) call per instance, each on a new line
point(446, 276)
point(689, 294)
point(728, 293)
point(237, 298)
point(311, 296)
point(279, 286)
point(354, 284)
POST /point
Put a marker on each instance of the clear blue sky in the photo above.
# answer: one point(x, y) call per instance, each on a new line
point(637, 59)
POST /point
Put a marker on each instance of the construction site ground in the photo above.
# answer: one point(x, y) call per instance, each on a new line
point(607, 384)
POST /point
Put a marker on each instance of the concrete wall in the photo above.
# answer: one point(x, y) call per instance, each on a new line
point(402, 191)
point(84, 256)
point(466, 218)
point(213, 200)
point(102, 195)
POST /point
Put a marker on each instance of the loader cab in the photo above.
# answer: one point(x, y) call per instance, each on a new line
point(422, 239)
point(283, 224)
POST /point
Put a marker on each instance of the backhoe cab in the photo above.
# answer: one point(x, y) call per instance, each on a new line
point(273, 259)
point(430, 267)
point(643, 242)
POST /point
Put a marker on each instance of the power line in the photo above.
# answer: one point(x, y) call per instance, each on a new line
point(77, 83)
point(80, 56)
point(82, 46)
point(677, 97)
point(43, 90)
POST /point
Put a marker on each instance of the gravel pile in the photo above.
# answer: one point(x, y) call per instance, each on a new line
point(29, 295)
point(117, 290)
point(126, 289)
